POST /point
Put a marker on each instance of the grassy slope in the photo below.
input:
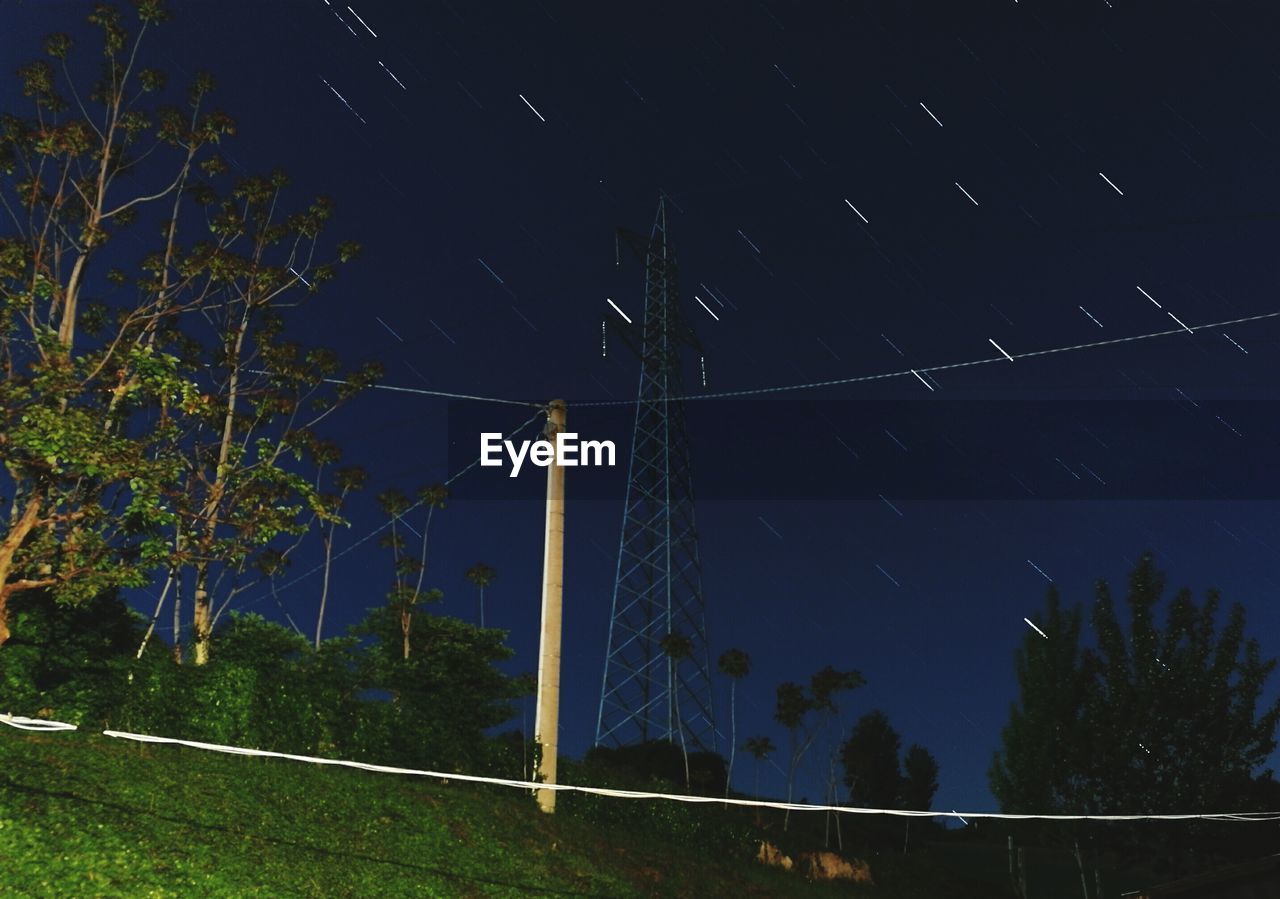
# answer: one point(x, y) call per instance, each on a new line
point(86, 815)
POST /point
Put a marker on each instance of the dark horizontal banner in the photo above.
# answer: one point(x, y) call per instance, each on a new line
point(909, 450)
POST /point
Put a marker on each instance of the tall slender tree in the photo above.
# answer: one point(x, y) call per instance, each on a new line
point(409, 570)
point(677, 648)
point(346, 480)
point(805, 714)
point(734, 664)
point(760, 749)
point(482, 576)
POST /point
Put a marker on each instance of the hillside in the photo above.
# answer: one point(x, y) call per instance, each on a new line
point(86, 815)
point(82, 814)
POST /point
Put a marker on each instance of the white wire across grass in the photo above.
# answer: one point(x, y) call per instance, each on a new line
point(42, 725)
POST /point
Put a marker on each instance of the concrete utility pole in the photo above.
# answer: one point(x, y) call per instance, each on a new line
point(547, 717)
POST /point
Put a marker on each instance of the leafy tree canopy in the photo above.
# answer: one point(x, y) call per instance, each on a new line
point(1153, 718)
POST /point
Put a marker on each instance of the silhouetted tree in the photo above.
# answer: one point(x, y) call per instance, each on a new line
point(805, 713)
point(482, 576)
point(1041, 766)
point(406, 590)
point(870, 757)
point(734, 664)
point(920, 779)
point(1151, 717)
point(677, 648)
point(346, 480)
point(760, 748)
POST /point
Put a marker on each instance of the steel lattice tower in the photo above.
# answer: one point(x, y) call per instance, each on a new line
point(658, 589)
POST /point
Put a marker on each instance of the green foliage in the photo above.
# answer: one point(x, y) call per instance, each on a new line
point(153, 444)
point(446, 694)
point(1155, 718)
point(664, 761)
point(64, 658)
point(654, 767)
point(83, 815)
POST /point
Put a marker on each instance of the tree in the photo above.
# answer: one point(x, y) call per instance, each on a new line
point(920, 780)
point(1153, 717)
point(81, 482)
point(919, 783)
point(677, 648)
point(760, 748)
point(482, 576)
point(406, 590)
point(64, 657)
point(1041, 766)
point(243, 489)
point(870, 757)
point(346, 480)
point(1182, 708)
point(734, 664)
point(805, 714)
point(131, 446)
point(445, 695)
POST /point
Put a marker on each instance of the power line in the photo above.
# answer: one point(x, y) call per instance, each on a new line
point(907, 372)
point(636, 794)
point(835, 382)
point(440, 393)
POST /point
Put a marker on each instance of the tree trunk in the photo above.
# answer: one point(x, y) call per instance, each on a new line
point(8, 549)
point(177, 622)
point(324, 590)
point(791, 780)
point(202, 626)
point(733, 732)
point(155, 616)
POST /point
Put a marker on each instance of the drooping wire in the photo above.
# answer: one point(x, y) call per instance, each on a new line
point(836, 382)
point(909, 372)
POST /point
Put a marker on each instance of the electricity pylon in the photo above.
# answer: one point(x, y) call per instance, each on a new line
point(645, 695)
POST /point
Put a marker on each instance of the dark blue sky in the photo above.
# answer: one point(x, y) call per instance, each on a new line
point(760, 121)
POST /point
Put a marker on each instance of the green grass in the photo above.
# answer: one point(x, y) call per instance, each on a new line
point(86, 815)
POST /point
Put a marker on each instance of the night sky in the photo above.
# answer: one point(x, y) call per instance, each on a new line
point(855, 190)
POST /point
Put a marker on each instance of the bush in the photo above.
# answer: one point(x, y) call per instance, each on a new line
point(662, 759)
point(711, 824)
point(62, 661)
